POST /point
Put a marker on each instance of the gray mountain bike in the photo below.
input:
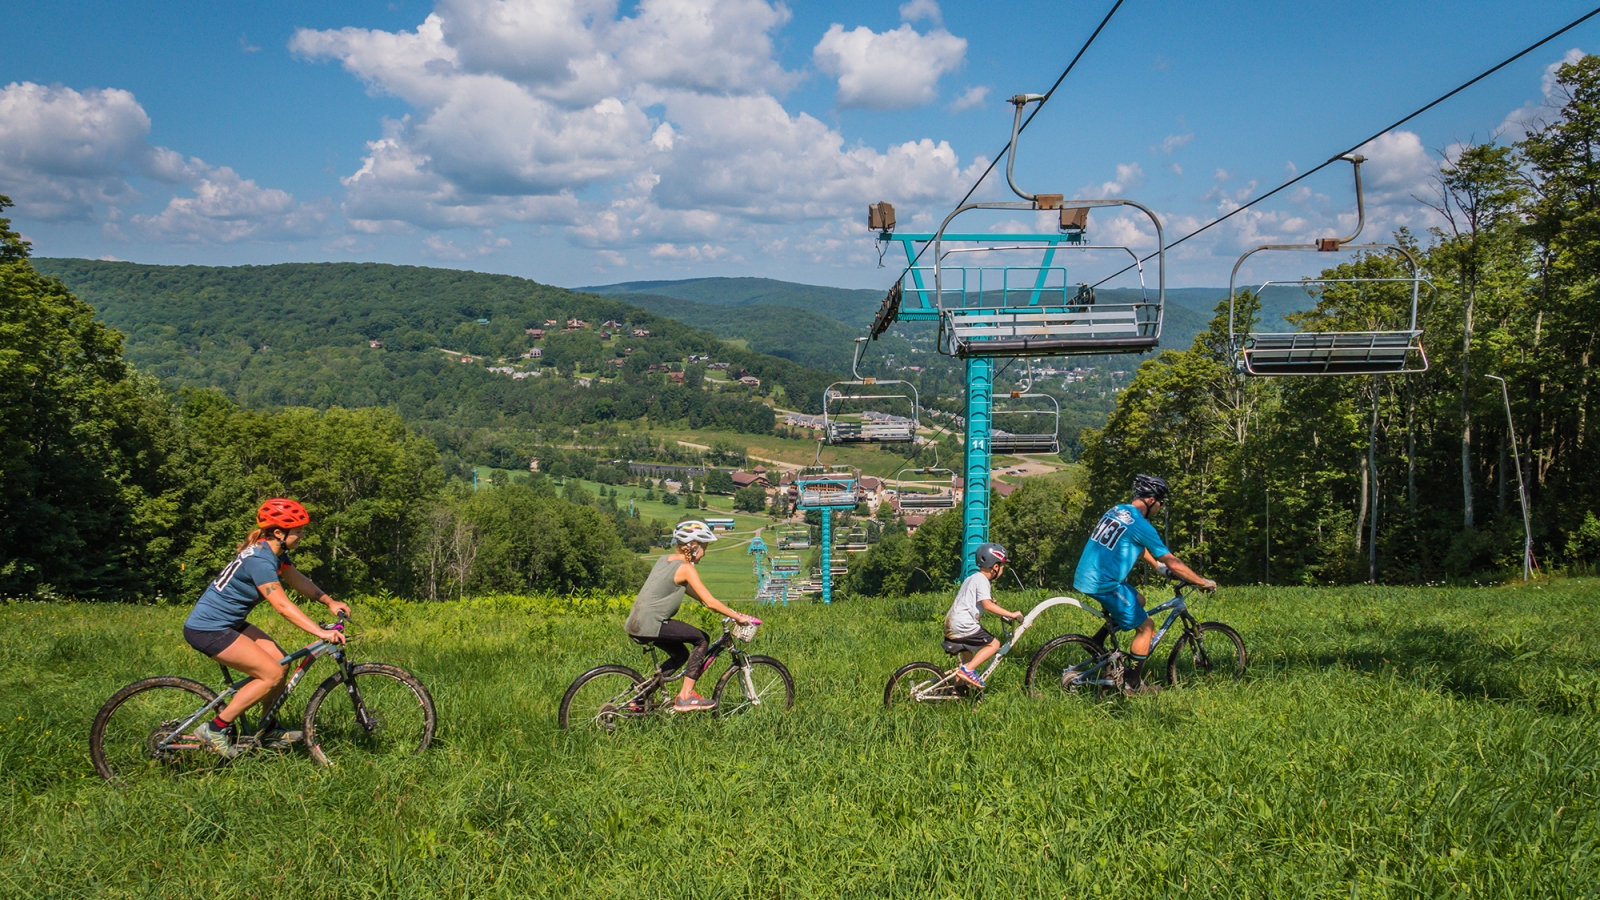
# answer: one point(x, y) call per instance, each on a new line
point(1095, 666)
point(147, 728)
point(606, 697)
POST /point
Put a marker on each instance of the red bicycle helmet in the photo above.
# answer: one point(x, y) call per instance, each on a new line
point(282, 513)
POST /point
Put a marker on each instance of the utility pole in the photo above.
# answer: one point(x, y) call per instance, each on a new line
point(1522, 489)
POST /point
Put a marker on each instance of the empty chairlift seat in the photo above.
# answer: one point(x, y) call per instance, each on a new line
point(1395, 351)
point(875, 416)
point(828, 487)
point(1037, 413)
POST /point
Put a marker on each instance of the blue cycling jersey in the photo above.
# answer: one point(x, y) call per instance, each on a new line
point(1114, 546)
point(227, 601)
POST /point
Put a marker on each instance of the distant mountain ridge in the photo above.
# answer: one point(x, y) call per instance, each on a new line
point(791, 320)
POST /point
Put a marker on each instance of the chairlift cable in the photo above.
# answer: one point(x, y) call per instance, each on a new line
point(1336, 157)
point(1007, 148)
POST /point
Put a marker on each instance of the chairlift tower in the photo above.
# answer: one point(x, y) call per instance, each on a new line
point(990, 312)
point(827, 488)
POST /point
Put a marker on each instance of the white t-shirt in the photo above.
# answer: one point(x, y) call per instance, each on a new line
point(962, 619)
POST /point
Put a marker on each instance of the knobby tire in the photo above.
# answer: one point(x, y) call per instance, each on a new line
point(1225, 656)
point(1048, 669)
point(399, 717)
point(126, 748)
point(616, 683)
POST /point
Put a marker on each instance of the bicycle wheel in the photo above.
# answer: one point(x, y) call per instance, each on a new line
point(602, 698)
point(914, 683)
point(1069, 664)
point(384, 711)
point(1217, 656)
point(770, 688)
point(130, 736)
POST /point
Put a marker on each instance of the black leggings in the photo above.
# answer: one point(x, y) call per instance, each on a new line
point(676, 638)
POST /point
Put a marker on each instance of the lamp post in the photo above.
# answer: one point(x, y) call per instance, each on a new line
point(1522, 489)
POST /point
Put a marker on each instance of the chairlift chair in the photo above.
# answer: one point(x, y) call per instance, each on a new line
point(828, 487)
point(1332, 352)
point(919, 501)
point(984, 314)
point(1026, 442)
point(885, 428)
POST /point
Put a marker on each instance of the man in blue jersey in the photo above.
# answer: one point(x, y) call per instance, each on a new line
point(1122, 537)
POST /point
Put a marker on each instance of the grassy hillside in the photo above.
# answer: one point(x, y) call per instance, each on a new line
point(1388, 742)
point(809, 338)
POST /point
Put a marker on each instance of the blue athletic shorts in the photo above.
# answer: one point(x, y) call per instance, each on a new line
point(1124, 606)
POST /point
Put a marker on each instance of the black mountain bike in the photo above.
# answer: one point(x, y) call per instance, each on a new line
point(147, 727)
point(605, 697)
point(1078, 664)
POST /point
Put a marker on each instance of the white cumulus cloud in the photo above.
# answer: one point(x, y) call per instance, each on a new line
point(661, 127)
point(74, 155)
point(896, 69)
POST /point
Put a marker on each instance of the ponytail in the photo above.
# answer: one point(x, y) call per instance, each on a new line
point(257, 535)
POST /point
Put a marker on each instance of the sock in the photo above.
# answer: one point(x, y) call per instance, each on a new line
point(1135, 674)
point(220, 724)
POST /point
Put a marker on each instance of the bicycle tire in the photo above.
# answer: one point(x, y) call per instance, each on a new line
point(1221, 659)
point(1052, 663)
point(164, 701)
point(606, 714)
point(387, 694)
point(732, 698)
point(903, 680)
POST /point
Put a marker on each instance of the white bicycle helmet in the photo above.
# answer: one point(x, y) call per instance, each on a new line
point(693, 530)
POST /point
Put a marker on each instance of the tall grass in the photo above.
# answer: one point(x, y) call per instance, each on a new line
point(1389, 742)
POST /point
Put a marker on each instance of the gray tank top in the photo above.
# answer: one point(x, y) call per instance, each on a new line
point(658, 600)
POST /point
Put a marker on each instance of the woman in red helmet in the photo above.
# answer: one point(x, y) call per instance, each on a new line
point(217, 627)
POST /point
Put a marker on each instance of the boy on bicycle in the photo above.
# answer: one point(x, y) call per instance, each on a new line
point(1124, 536)
point(961, 626)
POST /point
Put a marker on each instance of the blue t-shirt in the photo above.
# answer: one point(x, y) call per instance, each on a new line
point(1114, 546)
point(228, 600)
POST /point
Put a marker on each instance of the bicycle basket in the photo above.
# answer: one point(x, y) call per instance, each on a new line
point(745, 633)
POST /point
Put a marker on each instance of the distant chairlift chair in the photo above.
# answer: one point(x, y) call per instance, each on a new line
point(923, 501)
point(986, 314)
point(882, 427)
point(1023, 442)
point(1332, 352)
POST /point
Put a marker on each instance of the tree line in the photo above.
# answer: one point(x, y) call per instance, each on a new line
point(1271, 477)
point(112, 488)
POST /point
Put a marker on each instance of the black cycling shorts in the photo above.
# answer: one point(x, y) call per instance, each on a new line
point(975, 641)
point(212, 642)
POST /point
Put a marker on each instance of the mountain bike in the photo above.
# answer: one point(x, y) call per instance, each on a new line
point(1079, 664)
point(924, 682)
point(147, 727)
point(606, 696)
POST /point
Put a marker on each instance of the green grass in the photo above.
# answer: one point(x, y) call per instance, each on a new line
point(1389, 742)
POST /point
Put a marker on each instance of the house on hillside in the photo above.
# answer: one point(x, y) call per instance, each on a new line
point(611, 323)
point(576, 323)
point(551, 323)
point(535, 353)
point(746, 479)
point(914, 522)
point(375, 344)
point(535, 333)
point(718, 367)
point(641, 332)
point(751, 382)
point(677, 377)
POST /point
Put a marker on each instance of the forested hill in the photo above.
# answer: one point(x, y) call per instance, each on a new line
point(365, 334)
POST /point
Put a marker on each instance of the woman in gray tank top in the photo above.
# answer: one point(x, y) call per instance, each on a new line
point(651, 619)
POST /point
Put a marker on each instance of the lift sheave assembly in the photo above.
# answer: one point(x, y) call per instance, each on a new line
point(1331, 352)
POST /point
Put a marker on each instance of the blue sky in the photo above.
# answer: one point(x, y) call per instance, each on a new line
point(588, 142)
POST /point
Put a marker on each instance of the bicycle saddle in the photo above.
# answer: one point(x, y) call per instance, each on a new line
point(955, 649)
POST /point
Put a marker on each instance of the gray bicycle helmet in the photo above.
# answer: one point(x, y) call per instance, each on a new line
point(989, 554)
point(1150, 486)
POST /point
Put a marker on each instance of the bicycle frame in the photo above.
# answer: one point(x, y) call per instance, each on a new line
point(937, 690)
point(658, 681)
point(306, 656)
point(1176, 610)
